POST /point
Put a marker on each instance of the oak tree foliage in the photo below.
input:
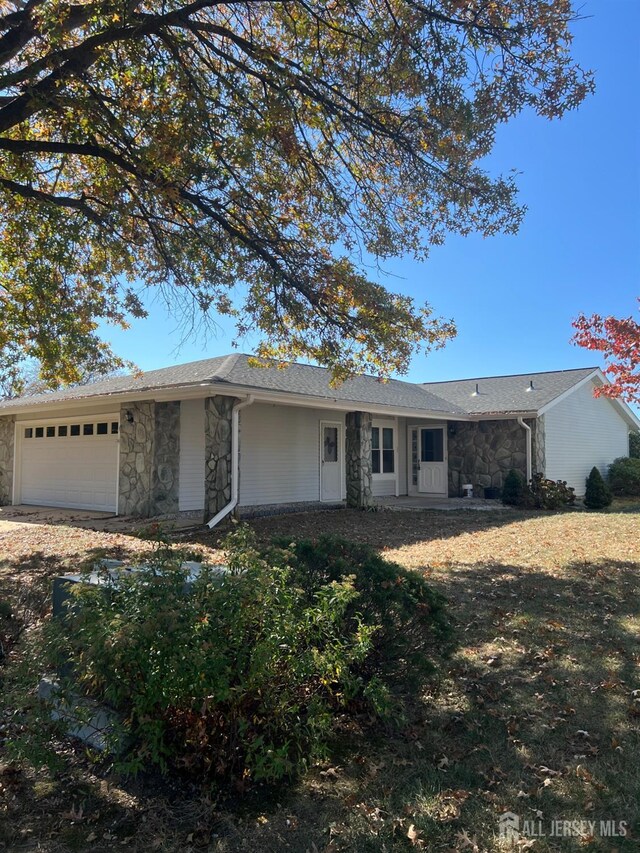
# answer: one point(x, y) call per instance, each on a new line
point(251, 158)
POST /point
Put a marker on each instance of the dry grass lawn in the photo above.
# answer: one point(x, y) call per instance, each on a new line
point(537, 712)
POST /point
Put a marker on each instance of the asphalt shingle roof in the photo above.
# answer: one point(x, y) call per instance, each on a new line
point(525, 392)
point(234, 370)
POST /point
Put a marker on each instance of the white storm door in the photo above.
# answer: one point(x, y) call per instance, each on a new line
point(432, 477)
point(330, 461)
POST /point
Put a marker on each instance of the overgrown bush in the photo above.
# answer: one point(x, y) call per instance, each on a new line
point(624, 476)
point(243, 677)
point(539, 492)
point(634, 445)
point(550, 494)
point(514, 490)
point(597, 494)
point(410, 616)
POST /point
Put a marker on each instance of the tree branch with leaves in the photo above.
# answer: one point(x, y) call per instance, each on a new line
point(619, 340)
point(252, 159)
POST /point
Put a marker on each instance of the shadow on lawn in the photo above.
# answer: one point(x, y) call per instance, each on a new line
point(384, 529)
point(534, 713)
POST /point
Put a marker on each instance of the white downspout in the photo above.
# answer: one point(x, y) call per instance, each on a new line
point(528, 429)
point(235, 460)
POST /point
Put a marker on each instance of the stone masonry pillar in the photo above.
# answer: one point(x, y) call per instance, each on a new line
point(358, 453)
point(166, 463)
point(7, 431)
point(217, 453)
point(137, 439)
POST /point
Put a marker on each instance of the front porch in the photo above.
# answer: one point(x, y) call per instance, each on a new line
point(421, 502)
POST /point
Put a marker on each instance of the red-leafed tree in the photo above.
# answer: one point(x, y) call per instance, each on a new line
point(619, 340)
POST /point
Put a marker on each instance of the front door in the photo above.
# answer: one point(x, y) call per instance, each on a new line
point(330, 461)
point(432, 475)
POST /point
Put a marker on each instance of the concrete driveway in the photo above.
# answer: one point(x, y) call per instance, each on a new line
point(88, 519)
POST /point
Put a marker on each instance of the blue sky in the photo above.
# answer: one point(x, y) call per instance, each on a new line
point(513, 298)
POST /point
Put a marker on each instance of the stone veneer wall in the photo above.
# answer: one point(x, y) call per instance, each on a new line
point(7, 431)
point(539, 460)
point(137, 439)
point(166, 461)
point(217, 453)
point(483, 453)
point(358, 453)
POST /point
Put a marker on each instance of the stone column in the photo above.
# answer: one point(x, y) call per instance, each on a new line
point(7, 431)
point(217, 453)
point(358, 453)
point(539, 461)
point(137, 439)
point(166, 462)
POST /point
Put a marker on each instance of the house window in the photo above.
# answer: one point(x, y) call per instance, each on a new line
point(101, 429)
point(62, 431)
point(39, 432)
point(114, 427)
point(382, 450)
point(51, 431)
point(87, 429)
point(75, 429)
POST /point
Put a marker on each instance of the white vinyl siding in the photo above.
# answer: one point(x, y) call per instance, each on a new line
point(280, 453)
point(582, 431)
point(192, 465)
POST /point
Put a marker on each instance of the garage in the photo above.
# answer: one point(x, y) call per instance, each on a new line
point(69, 463)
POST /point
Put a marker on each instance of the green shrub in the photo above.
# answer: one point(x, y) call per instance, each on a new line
point(514, 490)
point(550, 494)
point(411, 617)
point(634, 445)
point(241, 678)
point(624, 476)
point(597, 494)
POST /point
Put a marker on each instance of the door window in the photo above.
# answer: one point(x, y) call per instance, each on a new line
point(330, 444)
point(432, 445)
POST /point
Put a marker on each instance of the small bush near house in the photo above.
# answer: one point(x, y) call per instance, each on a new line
point(634, 445)
point(514, 490)
point(244, 678)
point(550, 494)
point(597, 494)
point(624, 476)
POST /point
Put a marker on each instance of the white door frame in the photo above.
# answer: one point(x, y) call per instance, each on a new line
point(321, 427)
point(415, 490)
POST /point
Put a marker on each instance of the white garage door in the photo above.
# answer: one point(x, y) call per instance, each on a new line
point(70, 464)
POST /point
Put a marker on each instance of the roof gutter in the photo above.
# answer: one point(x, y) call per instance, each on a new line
point(528, 436)
point(235, 461)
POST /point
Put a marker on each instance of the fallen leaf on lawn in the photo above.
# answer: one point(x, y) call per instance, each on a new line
point(583, 773)
point(465, 841)
point(73, 814)
point(330, 773)
point(443, 763)
point(413, 835)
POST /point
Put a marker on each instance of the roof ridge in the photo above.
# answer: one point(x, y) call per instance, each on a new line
point(509, 375)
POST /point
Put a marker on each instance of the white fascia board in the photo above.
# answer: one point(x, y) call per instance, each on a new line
point(201, 390)
point(595, 374)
